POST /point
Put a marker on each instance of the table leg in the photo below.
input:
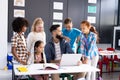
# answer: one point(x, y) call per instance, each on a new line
point(112, 65)
point(100, 67)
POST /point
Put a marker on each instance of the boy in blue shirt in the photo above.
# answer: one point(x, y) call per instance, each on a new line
point(72, 33)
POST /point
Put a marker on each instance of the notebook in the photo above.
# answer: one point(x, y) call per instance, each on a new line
point(70, 59)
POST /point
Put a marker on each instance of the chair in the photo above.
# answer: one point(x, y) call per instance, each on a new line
point(63, 76)
point(111, 59)
point(114, 58)
point(103, 60)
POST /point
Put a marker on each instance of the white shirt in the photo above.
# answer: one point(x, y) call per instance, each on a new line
point(57, 51)
point(33, 37)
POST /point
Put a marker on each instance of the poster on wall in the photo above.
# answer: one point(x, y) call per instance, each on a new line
point(19, 13)
point(91, 19)
point(57, 16)
point(60, 23)
point(58, 5)
point(19, 3)
point(92, 1)
point(91, 9)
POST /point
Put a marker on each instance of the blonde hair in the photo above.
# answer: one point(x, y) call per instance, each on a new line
point(36, 22)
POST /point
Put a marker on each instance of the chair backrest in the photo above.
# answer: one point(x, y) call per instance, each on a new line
point(100, 49)
point(110, 49)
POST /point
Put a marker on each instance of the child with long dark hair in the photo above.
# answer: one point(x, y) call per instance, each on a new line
point(39, 58)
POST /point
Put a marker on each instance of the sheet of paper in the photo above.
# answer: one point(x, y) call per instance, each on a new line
point(57, 15)
point(91, 9)
point(60, 23)
point(58, 5)
point(91, 19)
point(19, 3)
point(92, 1)
point(19, 13)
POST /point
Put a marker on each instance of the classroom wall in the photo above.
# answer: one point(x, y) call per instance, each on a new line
point(108, 19)
point(3, 32)
point(106, 15)
point(33, 9)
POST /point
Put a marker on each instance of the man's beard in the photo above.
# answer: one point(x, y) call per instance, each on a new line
point(60, 37)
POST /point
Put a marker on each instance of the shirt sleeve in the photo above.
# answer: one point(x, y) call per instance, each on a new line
point(81, 48)
point(78, 32)
point(63, 31)
point(92, 44)
point(47, 52)
point(68, 48)
point(78, 47)
point(14, 41)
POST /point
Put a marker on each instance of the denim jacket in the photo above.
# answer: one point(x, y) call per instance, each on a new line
point(50, 49)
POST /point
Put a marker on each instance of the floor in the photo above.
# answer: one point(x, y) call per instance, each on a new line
point(111, 76)
point(114, 75)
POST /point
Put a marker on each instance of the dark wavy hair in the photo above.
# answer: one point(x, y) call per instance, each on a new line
point(54, 27)
point(18, 24)
point(37, 43)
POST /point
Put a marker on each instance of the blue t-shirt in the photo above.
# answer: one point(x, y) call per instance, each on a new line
point(72, 34)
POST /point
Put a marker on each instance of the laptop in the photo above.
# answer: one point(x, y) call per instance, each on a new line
point(70, 59)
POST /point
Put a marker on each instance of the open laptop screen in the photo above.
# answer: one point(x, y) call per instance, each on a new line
point(70, 59)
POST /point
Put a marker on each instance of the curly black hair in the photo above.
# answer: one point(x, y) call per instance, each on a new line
point(18, 24)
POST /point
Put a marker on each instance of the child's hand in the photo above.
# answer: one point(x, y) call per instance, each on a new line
point(67, 38)
point(85, 61)
point(23, 62)
point(79, 63)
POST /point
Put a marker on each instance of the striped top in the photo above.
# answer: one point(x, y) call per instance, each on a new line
point(57, 51)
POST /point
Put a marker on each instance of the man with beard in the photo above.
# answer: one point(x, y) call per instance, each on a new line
point(57, 46)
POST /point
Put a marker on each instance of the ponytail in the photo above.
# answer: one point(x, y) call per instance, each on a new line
point(92, 29)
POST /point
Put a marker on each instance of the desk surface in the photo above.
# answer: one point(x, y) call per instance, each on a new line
point(107, 53)
point(34, 69)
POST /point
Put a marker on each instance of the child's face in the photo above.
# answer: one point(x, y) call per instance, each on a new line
point(39, 27)
point(40, 48)
point(84, 29)
point(24, 28)
point(69, 26)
